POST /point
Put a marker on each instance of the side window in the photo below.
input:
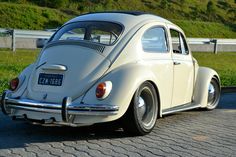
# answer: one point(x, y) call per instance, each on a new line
point(178, 43)
point(74, 34)
point(154, 40)
point(184, 45)
point(101, 36)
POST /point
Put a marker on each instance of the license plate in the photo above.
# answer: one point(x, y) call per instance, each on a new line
point(50, 79)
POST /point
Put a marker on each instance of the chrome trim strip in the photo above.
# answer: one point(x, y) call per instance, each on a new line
point(34, 109)
point(73, 109)
point(58, 67)
point(185, 107)
point(92, 113)
point(31, 103)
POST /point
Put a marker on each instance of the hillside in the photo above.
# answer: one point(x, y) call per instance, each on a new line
point(30, 17)
point(197, 18)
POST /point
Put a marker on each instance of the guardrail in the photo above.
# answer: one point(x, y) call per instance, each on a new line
point(33, 34)
point(26, 34)
point(210, 40)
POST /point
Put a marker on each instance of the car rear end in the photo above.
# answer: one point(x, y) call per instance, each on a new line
point(68, 66)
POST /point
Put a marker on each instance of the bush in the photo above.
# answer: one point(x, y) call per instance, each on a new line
point(48, 3)
point(211, 10)
point(57, 3)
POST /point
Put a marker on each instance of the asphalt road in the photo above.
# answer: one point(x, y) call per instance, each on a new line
point(192, 133)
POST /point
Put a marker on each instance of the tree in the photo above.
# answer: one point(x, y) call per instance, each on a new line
point(232, 14)
point(182, 2)
point(211, 10)
point(164, 4)
point(52, 3)
point(108, 4)
point(57, 3)
point(211, 7)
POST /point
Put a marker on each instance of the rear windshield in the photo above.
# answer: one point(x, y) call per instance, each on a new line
point(99, 32)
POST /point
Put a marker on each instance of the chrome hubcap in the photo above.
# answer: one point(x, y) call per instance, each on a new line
point(141, 106)
point(146, 108)
point(211, 93)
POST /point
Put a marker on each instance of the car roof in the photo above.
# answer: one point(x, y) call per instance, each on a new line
point(136, 13)
point(127, 18)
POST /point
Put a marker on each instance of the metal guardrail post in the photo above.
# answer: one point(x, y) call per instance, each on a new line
point(215, 46)
point(214, 41)
point(13, 44)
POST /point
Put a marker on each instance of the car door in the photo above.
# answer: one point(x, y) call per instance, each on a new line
point(183, 69)
point(157, 57)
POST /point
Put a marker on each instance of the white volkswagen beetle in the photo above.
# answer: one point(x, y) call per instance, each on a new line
point(101, 67)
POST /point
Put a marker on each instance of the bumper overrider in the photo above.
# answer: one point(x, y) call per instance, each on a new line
point(66, 109)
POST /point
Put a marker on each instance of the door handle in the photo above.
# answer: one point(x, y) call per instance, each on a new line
point(177, 63)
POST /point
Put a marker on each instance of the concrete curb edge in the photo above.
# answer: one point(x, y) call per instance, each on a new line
point(229, 89)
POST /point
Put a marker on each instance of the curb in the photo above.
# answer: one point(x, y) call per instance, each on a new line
point(229, 89)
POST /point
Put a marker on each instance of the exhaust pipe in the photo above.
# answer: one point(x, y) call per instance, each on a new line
point(48, 121)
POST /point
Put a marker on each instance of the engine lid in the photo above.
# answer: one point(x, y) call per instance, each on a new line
point(65, 70)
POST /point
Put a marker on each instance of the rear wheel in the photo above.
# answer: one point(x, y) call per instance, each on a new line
point(141, 116)
point(213, 94)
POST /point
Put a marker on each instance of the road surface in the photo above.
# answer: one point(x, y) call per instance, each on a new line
point(193, 133)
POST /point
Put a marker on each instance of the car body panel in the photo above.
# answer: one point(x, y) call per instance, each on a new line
point(183, 80)
point(204, 76)
point(24, 78)
point(159, 64)
point(83, 68)
point(183, 73)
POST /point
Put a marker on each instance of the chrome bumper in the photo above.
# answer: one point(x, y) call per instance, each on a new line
point(66, 109)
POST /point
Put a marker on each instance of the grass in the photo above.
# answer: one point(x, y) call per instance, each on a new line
point(223, 63)
point(11, 64)
point(201, 29)
point(30, 17)
point(190, 15)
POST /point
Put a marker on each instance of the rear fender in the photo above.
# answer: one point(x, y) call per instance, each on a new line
point(125, 81)
point(204, 77)
point(23, 81)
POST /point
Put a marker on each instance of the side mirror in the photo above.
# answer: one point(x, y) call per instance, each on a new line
point(40, 43)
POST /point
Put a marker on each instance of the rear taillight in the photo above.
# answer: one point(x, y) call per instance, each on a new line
point(103, 89)
point(14, 84)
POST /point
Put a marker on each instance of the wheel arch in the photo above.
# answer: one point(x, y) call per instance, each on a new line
point(158, 97)
point(217, 78)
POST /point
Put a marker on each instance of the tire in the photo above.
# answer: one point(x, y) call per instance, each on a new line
point(213, 94)
point(142, 113)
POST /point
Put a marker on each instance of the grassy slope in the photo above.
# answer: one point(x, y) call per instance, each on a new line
point(25, 16)
point(223, 63)
point(201, 29)
point(11, 64)
point(30, 17)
